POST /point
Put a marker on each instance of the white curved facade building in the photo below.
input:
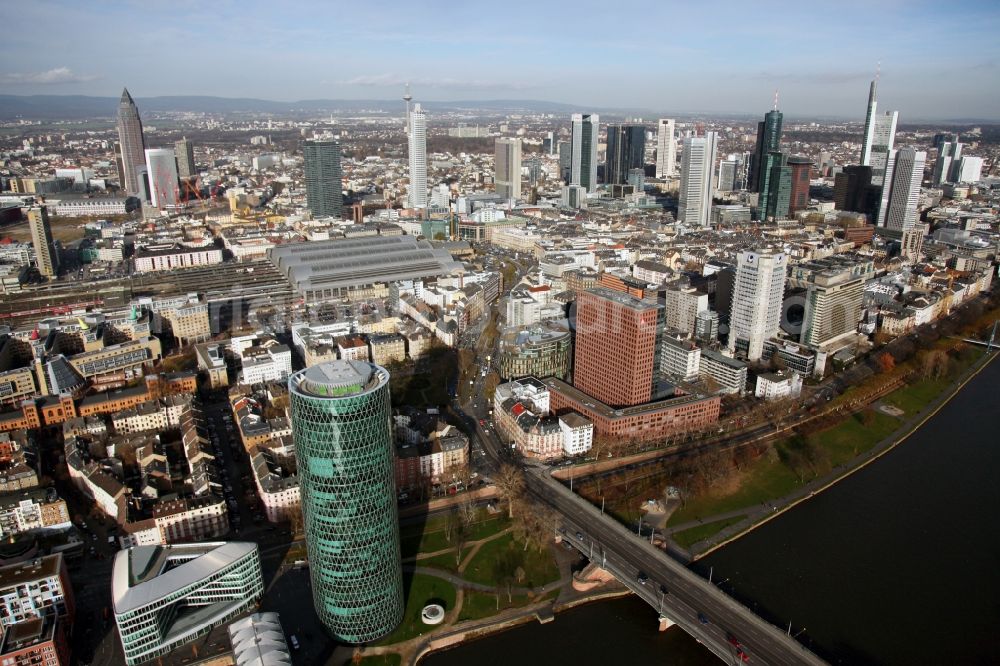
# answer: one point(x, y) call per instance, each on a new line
point(166, 596)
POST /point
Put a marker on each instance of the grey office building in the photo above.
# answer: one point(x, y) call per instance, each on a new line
point(324, 184)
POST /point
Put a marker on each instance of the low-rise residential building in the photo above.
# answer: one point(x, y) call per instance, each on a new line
point(32, 510)
point(168, 257)
point(680, 359)
point(521, 412)
point(34, 589)
point(775, 385)
point(40, 641)
point(729, 373)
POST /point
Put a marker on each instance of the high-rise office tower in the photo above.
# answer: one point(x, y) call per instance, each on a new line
point(694, 206)
point(969, 169)
point(727, 175)
point(508, 168)
point(880, 135)
point(853, 191)
point(119, 165)
point(549, 144)
point(835, 288)
point(626, 151)
point(583, 151)
point(162, 168)
point(565, 150)
point(133, 143)
point(666, 149)
point(775, 187)
point(341, 426)
point(617, 346)
point(948, 154)
point(534, 171)
point(901, 192)
point(801, 168)
point(768, 141)
point(46, 253)
point(418, 158)
point(755, 313)
point(184, 150)
point(324, 180)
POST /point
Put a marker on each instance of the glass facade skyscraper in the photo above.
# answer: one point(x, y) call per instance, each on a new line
point(324, 182)
point(341, 425)
point(626, 151)
point(132, 144)
point(768, 141)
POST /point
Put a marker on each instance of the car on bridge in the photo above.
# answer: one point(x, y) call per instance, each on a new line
point(702, 618)
point(642, 578)
point(744, 657)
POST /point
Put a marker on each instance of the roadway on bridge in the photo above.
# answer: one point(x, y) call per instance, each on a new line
point(624, 554)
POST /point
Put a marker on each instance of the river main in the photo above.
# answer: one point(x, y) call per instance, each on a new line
point(899, 563)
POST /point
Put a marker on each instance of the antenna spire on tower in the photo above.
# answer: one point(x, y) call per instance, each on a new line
point(775, 99)
point(878, 69)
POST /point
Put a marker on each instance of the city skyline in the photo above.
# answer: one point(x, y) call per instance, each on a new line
point(295, 56)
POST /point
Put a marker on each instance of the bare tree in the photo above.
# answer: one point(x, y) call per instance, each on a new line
point(510, 485)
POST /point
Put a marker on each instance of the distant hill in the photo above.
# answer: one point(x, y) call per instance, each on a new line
point(79, 107)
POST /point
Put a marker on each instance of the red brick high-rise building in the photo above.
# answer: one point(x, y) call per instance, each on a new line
point(801, 168)
point(616, 355)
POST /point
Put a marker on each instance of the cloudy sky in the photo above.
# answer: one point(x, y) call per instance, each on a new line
point(938, 59)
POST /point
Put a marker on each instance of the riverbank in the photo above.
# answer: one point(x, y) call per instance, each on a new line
point(771, 510)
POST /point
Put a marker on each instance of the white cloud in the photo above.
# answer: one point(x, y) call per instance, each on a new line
point(52, 76)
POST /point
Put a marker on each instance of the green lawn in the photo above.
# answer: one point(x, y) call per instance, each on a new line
point(432, 536)
point(445, 562)
point(765, 479)
point(911, 399)
point(497, 560)
point(854, 435)
point(689, 537)
point(768, 479)
point(391, 659)
point(477, 605)
point(422, 590)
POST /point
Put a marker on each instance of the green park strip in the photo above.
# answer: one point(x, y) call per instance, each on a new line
point(797, 460)
point(505, 561)
point(480, 605)
point(689, 537)
point(420, 591)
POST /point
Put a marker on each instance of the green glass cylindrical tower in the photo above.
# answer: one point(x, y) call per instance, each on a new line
point(341, 424)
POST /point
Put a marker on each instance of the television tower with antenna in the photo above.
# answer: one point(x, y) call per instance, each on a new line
point(407, 97)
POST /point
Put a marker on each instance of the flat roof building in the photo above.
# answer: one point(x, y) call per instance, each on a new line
point(166, 596)
point(323, 270)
